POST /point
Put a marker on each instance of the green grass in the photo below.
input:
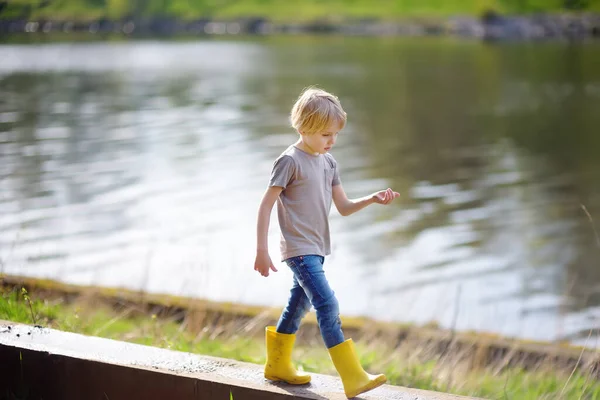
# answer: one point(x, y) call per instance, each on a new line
point(283, 10)
point(405, 366)
point(17, 306)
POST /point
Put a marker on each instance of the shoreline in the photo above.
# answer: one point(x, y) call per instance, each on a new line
point(491, 27)
point(418, 361)
point(477, 349)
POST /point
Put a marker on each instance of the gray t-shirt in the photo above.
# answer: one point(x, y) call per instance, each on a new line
point(303, 205)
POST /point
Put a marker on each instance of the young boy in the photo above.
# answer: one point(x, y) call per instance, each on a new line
point(304, 180)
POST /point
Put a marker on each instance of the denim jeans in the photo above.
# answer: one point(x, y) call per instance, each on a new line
point(311, 287)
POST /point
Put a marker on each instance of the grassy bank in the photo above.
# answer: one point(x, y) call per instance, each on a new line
point(404, 365)
point(282, 10)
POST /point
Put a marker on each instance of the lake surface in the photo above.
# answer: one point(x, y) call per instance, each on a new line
point(141, 164)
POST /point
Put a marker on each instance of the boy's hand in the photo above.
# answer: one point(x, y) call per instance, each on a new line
point(263, 263)
point(385, 196)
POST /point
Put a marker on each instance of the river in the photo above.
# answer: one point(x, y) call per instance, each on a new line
point(141, 164)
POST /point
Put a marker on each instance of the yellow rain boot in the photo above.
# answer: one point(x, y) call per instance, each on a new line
point(354, 377)
point(279, 358)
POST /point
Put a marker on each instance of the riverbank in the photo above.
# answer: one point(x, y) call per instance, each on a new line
point(489, 26)
point(422, 357)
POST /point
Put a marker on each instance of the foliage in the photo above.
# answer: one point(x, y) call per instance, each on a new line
point(279, 9)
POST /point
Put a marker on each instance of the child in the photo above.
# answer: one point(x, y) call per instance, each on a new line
point(304, 181)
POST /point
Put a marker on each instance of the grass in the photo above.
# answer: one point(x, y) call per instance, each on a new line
point(18, 307)
point(405, 365)
point(283, 10)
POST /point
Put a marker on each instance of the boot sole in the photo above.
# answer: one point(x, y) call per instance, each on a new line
point(277, 379)
point(369, 386)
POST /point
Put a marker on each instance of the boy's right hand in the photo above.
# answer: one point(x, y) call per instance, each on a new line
point(263, 263)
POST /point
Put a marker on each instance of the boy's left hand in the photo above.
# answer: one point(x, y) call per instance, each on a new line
point(385, 196)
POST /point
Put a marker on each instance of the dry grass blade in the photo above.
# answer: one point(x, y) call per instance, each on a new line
point(587, 378)
point(118, 317)
point(576, 364)
point(256, 323)
point(592, 223)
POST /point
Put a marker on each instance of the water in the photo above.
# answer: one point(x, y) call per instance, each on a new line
point(141, 165)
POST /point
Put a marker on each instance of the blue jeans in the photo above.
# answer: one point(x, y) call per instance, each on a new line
point(311, 287)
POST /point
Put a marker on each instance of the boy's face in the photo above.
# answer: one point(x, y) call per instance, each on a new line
point(321, 142)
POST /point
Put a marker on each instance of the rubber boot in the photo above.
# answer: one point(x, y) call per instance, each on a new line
point(279, 358)
point(354, 377)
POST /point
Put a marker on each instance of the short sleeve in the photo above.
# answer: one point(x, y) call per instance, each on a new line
point(336, 174)
point(283, 171)
point(336, 177)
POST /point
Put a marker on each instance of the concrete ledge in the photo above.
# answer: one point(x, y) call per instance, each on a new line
point(40, 363)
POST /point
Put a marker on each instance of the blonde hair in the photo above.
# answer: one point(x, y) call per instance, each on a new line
point(315, 110)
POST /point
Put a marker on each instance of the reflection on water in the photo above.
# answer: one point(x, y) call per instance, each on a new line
point(142, 164)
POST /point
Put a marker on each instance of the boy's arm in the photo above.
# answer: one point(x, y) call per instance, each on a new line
point(345, 206)
point(263, 262)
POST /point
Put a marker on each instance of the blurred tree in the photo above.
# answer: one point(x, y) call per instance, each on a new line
point(20, 8)
point(96, 3)
point(576, 4)
point(278, 9)
point(117, 8)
